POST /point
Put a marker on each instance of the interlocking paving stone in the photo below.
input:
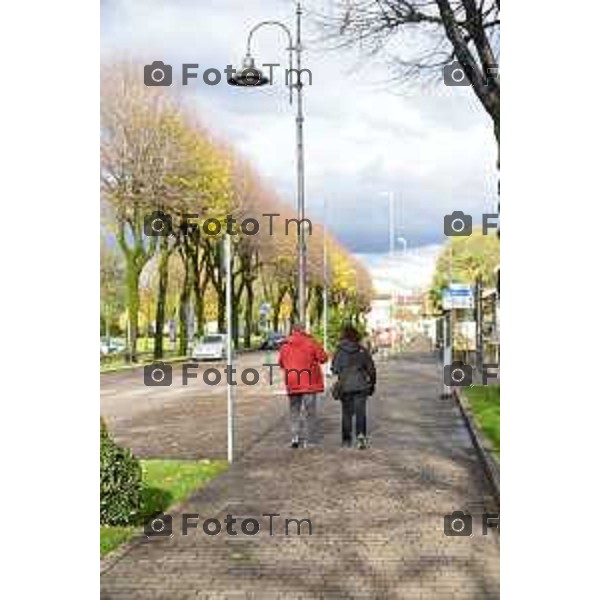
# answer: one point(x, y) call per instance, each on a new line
point(377, 515)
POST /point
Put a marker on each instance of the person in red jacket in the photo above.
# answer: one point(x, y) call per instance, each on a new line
point(300, 358)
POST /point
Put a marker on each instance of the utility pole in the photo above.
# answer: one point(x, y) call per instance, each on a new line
point(392, 219)
point(448, 324)
point(230, 406)
point(258, 79)
point(325, 277)
point(479, 323)
point(300, 160)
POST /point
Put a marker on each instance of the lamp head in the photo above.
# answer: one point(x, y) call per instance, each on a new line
point(249, 75)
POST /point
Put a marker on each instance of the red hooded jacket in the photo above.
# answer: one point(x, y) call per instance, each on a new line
point(300, 358)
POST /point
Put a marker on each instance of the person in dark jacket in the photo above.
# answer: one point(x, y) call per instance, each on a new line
point(356, 382)
point(300, 358)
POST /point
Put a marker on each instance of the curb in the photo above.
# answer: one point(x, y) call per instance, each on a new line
point(139, 365)
point(491, 466)
point(168, 361)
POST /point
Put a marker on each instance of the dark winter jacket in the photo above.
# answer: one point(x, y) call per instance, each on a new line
point(351, 353)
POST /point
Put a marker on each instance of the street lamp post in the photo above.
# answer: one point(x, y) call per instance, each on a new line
point(391, 222)
point(404, 244)
point(325, 278)
point(251, 76)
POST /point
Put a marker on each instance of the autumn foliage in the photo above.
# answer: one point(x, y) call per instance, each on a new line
point(157, 156)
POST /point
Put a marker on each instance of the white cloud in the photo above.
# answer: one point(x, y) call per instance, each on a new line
point(435, 149)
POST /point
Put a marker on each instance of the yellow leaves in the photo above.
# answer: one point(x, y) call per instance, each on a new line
point(156, 155)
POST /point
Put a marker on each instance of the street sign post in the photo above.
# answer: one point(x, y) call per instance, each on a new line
point(458, 296)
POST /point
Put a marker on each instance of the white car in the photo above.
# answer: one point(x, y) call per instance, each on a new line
point(111, 346)
point(211, 347)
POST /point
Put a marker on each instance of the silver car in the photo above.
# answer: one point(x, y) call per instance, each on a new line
point(112, 346)
point(211, 347)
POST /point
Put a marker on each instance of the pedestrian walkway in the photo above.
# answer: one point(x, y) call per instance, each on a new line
point(377, 515)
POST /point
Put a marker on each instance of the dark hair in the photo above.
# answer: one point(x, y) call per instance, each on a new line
point(350, 333)
point(299, 326)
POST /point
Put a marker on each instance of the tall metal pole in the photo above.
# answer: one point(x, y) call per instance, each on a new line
point(229, 347)
point(479, 324)
point(325, 276)
point(448, 324)
point(300, 160)
point(451, 315)
point(392, 223)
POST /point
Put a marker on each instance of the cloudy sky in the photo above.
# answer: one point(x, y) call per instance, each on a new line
point(365, 135)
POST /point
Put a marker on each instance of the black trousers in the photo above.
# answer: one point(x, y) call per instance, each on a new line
point(354, 405)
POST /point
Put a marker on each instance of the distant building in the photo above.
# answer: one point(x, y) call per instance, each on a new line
point(380, 315)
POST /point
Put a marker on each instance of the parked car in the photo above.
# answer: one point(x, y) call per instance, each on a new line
point(272, 341)
point(112, 346)
point(211, 347)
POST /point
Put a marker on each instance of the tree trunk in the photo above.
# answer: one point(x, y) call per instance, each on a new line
point(235, 326)
point(133, 307)
point(236, 296)
point(163, 284)
point(200, 311)
point(183, 314)
point(195, 289)
point(221, 306)
point(135, 259)
point(277, 308)
point(248, 313)
point(294, 297)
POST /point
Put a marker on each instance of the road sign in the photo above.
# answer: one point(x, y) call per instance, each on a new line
point(458, 295)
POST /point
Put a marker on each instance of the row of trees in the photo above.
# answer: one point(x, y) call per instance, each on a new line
point(157, 157)
point(466, 259)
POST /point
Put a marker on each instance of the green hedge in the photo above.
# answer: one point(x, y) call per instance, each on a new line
point(120, 482)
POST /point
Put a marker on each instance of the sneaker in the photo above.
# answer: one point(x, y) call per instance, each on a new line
point(346, 443)
point(361, 442)
point(295, 443)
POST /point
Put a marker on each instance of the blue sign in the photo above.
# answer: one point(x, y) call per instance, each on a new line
point(458, 295)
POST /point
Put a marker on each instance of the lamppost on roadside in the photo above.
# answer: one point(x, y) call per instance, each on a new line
point(325, 278)
point(404, 244)
point(391, 222)
point(251, 76)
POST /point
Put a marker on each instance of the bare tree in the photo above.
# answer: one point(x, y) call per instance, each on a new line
point(435, 33)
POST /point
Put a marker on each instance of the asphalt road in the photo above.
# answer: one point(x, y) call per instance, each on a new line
point(190, 421)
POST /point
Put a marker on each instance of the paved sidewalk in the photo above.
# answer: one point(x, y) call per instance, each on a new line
point(377, 515)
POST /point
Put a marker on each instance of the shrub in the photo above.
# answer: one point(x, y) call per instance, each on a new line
point(120, 482)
